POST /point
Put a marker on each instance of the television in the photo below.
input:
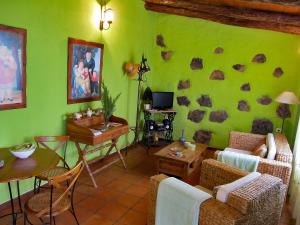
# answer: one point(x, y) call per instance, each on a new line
point(162, 100)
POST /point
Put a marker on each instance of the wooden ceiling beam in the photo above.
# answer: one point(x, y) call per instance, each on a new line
point(228, 15)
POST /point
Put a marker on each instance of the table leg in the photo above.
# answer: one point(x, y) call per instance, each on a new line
point(19, 197)
point(14, 216)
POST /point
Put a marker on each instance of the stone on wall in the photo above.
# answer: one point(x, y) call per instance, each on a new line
point(264, 100)
point(277, 72)
point(243, 106)
point(239, 67)
point(183, 84)
point(205, 100)
point(245, 87)
point(183, 100)
point(217, 75)
point(283, 111)
point(196, 115)
point(259, 58)
point(262, 126)
point(218, 116)
point(160, 41)
point(219, 50)
point(166, 55)
point(202, 136)
point(196, 64)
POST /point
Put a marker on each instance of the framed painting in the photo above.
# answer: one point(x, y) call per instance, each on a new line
point(12, 67)
point(85, 60)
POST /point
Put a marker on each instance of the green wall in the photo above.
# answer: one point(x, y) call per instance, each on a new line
point(188, 38)
point(49, 24)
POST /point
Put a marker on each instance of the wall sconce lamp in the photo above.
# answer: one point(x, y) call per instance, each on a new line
point(106, 18)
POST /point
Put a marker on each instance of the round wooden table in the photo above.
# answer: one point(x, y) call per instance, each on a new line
point(15, 169)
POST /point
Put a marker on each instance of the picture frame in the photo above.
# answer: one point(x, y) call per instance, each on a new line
point(12, 67)
point(85, 62)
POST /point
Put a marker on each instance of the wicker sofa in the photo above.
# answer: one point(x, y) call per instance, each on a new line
point(280, 167)
point(259, 202)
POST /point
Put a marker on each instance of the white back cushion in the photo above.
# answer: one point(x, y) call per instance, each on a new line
point(271, 146)
point(224, 190)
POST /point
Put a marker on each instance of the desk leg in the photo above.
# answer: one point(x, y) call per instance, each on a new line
point(114, 144)
point(81, 153)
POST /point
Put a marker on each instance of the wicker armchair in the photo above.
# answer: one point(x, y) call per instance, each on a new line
point(259, 202)
point(280, 167)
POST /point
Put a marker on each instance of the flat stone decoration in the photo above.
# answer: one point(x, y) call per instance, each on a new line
point(202, 136)
point(264, 100)
point(196, 64)
point(243, 106)
point(183, 100)
point(246, 87)
point(283, 111)
point(196, 115)
point(259, 58)
point(160, 41)
point(239, 67)
point(166, 55)
point(205, 100)
point(262, 126)
point(219, 50)
point(183, 84)
point(218, 116)
point(217, 75)
point(277, 72)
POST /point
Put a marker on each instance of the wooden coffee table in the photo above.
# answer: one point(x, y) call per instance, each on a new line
point(180, 167)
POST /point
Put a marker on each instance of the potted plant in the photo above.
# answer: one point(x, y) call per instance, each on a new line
point(108, 104)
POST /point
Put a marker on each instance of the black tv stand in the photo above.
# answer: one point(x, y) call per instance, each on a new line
point(158, 136)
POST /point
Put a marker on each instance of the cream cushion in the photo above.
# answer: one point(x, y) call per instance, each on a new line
point(224, 190)
point(238, 151)
point(261, 151)
point(271, 146)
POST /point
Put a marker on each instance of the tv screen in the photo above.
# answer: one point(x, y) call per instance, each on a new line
point(162, 100)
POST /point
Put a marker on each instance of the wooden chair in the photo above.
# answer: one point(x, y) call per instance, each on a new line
point(60, 142)
point(48, 204)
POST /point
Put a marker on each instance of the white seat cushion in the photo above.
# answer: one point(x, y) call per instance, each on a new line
point(224, 190)
point(271, 146)
point(238, 151)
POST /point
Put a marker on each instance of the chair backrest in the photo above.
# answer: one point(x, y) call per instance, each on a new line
point(245, 141)
point(45, 140)
point(59, 182)
point(60, 142)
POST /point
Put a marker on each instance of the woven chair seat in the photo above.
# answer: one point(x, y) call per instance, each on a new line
point(41, 201)
point(52, 172)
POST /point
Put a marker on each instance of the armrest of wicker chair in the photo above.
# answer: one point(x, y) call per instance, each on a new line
point(262, 198)
point(283, 150)
point(152, 194)
point(214, 173)
point(275, 168)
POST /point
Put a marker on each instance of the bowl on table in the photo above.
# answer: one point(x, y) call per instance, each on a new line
point(23, 151)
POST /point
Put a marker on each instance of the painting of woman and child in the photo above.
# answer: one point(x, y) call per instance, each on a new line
point(84, 71)
point(12, 67)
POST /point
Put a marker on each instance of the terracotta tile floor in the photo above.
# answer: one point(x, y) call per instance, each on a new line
point(121, 198)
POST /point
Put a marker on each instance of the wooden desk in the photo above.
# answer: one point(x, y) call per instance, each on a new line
point(84, 131)
point(19, 169)
point(181, 167)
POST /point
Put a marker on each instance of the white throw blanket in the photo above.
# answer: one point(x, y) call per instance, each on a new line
point(178, 203)
point(239, 160)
